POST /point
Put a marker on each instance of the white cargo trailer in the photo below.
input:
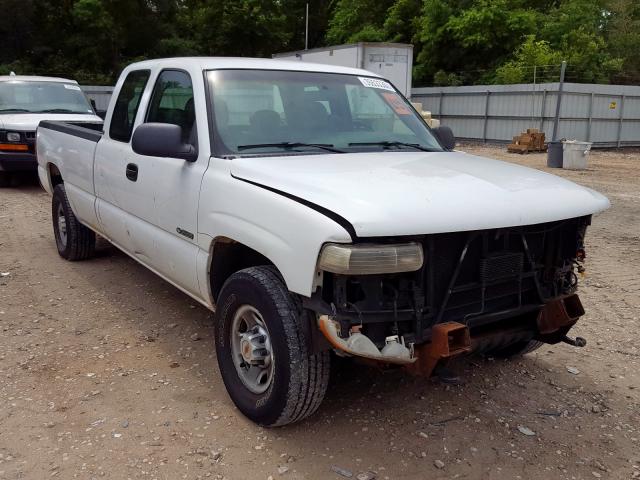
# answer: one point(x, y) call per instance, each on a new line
point(391, 60)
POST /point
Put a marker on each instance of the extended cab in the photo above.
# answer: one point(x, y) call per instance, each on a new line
point(312, 208)
point(25, 101)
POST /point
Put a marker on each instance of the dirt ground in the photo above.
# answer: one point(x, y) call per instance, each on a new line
point(106, 371)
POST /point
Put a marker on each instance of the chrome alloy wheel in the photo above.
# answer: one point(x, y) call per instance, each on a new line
point(62, 226)
point(251, 348)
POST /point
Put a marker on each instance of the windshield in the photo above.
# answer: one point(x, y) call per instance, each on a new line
point(271, 111)
point(42, 97)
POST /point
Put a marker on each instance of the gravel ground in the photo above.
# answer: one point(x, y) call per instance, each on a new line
point(106, 371)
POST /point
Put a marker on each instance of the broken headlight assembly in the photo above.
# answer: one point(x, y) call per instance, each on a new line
point(369, 259)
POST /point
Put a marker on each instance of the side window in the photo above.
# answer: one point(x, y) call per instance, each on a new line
point(124, 112)
point(172, 102)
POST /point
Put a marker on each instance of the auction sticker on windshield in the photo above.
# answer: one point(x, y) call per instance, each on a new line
point(395, 102)
point(375, 83)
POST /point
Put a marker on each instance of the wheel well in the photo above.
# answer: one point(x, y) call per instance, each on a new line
point(228, 257)
point(55, 175)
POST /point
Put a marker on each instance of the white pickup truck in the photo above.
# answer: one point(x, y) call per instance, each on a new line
point(312, 209)
point(25, 101)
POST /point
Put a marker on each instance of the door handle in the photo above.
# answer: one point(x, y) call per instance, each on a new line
point(132, 172)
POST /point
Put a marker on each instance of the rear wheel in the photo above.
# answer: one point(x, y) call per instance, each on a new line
point(262, 352)
point(5, 179)
point(74, 240)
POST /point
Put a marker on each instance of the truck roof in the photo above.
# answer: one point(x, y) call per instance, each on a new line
point(214, 63)
point(34, 78)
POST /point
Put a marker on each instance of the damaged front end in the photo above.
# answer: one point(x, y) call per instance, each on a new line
point(435, 297)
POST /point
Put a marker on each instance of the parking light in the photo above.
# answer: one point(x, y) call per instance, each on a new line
point(14, 147)
point(368, 259)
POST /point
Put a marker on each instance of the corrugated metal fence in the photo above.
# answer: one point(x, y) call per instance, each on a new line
point(607, 115)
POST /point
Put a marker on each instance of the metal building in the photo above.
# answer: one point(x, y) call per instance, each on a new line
point(99, 94)
point(394, 61)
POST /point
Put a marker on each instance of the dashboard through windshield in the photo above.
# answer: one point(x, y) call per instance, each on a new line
point(259, 112)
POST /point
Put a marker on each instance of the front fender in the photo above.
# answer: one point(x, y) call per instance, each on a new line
point(288, 233)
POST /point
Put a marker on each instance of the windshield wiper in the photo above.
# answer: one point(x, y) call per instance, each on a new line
point(21, 110)
point(323, 146)
point(393, 143)
point(57, 110)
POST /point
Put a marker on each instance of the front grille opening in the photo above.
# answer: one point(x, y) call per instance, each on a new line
point(474, 278)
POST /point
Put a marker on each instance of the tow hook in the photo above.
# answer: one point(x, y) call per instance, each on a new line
point(577, 342)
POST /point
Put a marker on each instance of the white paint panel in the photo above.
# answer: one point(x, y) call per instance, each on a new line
point(283, 230)
point(74, 158)
point(411, 193)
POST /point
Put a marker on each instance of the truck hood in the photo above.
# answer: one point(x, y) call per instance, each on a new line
point(406, 193)
point(28, 122)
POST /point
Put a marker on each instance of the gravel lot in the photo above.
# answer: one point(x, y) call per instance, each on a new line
point(106, 371)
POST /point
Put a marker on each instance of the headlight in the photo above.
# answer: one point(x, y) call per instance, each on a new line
point(13, 137)
point(368, 259)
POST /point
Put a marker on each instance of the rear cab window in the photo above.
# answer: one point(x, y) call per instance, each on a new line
point(127, 103)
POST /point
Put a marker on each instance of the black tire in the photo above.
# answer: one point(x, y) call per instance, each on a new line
point(79, 242)
point(516, 349)
point(299, 378)
point(5, 179)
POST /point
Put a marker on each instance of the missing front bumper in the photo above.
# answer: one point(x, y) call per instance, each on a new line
point(452, 339)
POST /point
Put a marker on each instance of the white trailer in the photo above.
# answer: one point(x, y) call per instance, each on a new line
point(393, 61)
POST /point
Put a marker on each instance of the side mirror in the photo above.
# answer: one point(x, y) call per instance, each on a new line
point(162, 140)
point(445, 137)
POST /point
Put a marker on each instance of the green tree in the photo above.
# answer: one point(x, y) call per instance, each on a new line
point(623, 35)
point(470, 38)
point(444, 79)
point(577, 29)
point(455, 41)
point(358, 21)
point(402, 21)
point(532, 53)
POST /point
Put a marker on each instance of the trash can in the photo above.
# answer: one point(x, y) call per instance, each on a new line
point(575, 154)
point(554, 154)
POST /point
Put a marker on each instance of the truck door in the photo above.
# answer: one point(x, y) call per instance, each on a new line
point(148, 205)
point(176, 181)
point(124, 184)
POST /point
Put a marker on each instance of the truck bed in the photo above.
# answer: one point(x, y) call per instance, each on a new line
point(88, 130)
point(70, 148)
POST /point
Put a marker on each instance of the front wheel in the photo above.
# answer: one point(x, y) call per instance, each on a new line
point(262, 351)
point(74, 240)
